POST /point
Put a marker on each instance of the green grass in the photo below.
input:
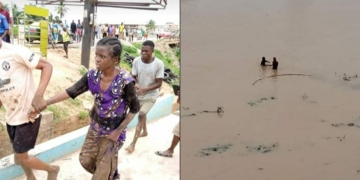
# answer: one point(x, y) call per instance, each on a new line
point(168, 61)
point(2, 109)
point(83, 115)
point(74, 102)
point(159, 54)
point(137, 45)
point(132, 51)
point(15, 31)
point(177, 52)
point(83, 70)
point(58, 112)
point(125, 65)
point(166, 58)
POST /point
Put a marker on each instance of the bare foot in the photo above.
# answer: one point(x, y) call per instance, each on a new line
point(130, 149)
point(53, 175)
point(144, 134)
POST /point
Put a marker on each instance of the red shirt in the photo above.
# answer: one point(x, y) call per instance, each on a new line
point(6, 14)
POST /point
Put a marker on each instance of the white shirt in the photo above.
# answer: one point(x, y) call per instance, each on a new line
point(17, 87)
point(147, 73)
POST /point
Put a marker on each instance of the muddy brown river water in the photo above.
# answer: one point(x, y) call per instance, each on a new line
point(281, 128)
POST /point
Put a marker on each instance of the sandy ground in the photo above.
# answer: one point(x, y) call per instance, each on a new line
point(295, 135)
point(143, 163)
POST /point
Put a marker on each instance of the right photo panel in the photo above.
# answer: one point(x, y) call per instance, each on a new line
point(270, 90)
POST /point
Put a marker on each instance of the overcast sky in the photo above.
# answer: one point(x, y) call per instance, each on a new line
point(116, 15)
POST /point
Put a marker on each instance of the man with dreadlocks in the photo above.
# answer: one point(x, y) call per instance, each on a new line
point(114, 93)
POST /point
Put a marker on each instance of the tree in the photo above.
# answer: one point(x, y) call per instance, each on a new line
point(51, 17)
point(61, 10)
point(17, 13)
point(151, 25)
point(57, 19)
point(6, 7)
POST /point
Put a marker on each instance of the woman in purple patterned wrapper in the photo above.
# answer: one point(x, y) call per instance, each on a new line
point(114, 93)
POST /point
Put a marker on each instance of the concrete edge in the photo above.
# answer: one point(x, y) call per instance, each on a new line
point(66, 144)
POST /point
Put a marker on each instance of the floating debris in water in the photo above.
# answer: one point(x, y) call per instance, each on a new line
point(262, 148)
point(188, 115)
point(253, 103)
point(185, 108)
point(280, 75)
point(220, 111)
point(217, 149)
point(348, 78)
point(304, 96)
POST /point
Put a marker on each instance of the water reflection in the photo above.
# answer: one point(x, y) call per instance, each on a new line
point(263, 70)
point(274, 73)
point(316, 38)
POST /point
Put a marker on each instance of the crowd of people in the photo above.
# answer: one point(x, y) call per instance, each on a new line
point(120, 31)
point(100, 31)
point(118, 97)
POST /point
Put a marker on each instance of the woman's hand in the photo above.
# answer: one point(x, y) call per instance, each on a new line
point(137, 87)
point(114, 135)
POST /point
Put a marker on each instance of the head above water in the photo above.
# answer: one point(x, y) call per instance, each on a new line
point(147, 50)
point(108, 53)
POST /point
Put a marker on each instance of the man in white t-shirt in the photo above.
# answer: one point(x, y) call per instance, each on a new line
point(18, 95)
point(148, 73)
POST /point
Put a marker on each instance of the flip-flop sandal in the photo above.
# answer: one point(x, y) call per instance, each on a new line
point(163, 155)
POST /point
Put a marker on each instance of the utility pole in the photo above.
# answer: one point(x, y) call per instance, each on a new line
point(88, 33)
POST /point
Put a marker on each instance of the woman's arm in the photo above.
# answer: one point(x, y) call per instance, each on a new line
point(134, 105)
point(72, 92)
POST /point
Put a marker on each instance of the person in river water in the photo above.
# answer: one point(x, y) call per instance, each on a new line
point(263, 61)
point(114, 93)
point(275, 63)
point(18, 94)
